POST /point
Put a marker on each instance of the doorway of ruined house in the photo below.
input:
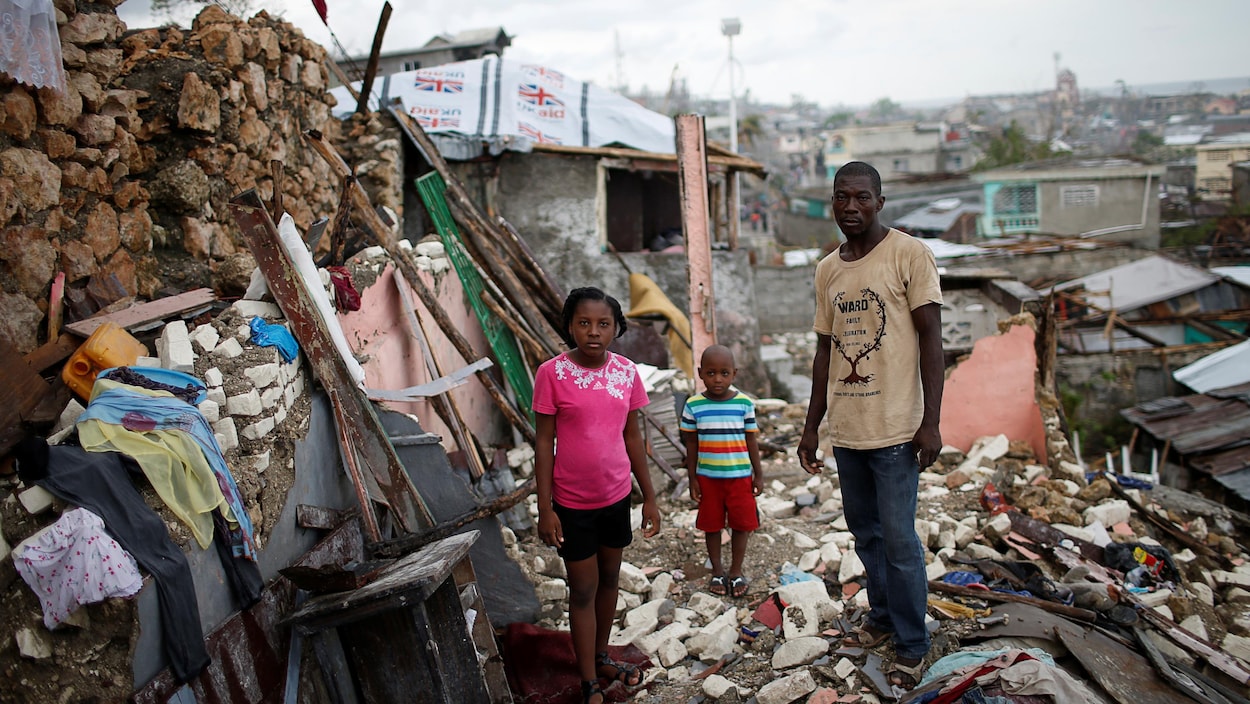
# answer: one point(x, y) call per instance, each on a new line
point(639, 209)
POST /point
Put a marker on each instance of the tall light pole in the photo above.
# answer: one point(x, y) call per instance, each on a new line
point(731, 27)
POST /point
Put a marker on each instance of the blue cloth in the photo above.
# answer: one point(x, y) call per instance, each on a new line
point(879, 497)
point(123, 408)
point(271, 335)
point(965, 658)
point(791, 574)
point(962, 579)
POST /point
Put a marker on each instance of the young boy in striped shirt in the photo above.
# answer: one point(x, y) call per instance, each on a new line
point(723, 461)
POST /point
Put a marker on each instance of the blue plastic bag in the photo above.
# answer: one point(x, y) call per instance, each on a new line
point(270, 335)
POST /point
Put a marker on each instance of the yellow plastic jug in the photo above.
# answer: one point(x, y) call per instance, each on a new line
point(109, 346)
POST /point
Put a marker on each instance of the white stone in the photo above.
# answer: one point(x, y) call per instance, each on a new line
point(675, 674)
point(839, 524)
point(923, 530)
point(1074, 531)
point(430, 248)
point(36, 500)
point(439, 266)
point(671, 651)
point(1203, 593)
point(270, 396)
point(717, 686)
point(990, 447)
point(227, 434)
point(1238, 647)
point(257, 430)
point(786, 689)
point(809, 560)
point(851, 569)
point(799, 621)
point(632, 579)
point(799, 651)
point(260, 461)
point(1155, 598)
point(228, 349)
point(661, 585)
point(1032, 472)
point(1194, 625)
point(148, 362)
point(279, 416)
point(831, 555)
point(1165, 611)
point(705, 605)
point(774, 507)
point(176, 353)
point(845, 668)
point(842, 539)
point(716, 639)
point(651, 642)
point(934, 570)
point(205, 337)
point(813, 595)
point(211, 410)
point(945, 540)
point(262, 375)
point(977, 551)
point(1224, 578)
point(552, 590)
point(626, 601)
point(251, 309)
point(998, 526)
point(802, 541)
point(1184, 557)
point(1070, 471)
point(1068, 487)
point(648, 613)
point(216, 395)
point(1108, 513)
point(550, 568)
point(963, 535)
point(933, 492)
point(33, 644)
point(247, 404)
point(627, 636)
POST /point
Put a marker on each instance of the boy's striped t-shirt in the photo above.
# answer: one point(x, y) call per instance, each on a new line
point(722, 427)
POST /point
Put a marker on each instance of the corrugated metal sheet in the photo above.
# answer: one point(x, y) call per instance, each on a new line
point(1140, 283)
point(1237, 482)
point(1213, 432)
point(1228, 367)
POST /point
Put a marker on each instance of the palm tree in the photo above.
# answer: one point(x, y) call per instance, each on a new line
point(749, 128)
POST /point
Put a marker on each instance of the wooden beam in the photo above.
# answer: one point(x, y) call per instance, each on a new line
point(1069, 611)
point(144, 313)
point(347, 82)
point(366, 86)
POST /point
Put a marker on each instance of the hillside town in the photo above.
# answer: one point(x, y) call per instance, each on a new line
point(293, 339)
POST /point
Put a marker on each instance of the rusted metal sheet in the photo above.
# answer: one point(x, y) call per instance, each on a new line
point(249, 651)
point(1126, 676)
point(1211, 423)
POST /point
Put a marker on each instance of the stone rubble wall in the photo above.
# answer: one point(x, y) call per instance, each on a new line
point(133, 166)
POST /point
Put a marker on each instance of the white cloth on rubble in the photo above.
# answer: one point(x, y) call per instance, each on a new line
point(1036, 677)
point(30, 46)
point(75, 562)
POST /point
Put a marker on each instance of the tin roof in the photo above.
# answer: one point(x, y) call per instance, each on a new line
point(1148, 280)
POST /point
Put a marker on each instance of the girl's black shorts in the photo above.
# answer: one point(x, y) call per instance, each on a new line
point(587, 530)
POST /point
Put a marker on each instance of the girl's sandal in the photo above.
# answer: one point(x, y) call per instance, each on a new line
point(622, 672)
point(590, 688)
point(906, 676)
point(738, 586)
point(716, 585)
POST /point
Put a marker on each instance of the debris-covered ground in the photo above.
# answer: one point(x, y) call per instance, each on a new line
point(667, 611)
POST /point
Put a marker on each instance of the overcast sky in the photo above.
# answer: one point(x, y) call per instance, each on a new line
point(829, 51)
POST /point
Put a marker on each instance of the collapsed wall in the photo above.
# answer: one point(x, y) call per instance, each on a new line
point(122, 181)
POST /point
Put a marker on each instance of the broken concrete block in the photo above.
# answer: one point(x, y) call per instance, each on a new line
point(1109, 513)
point(717, 686)
point(851, 569)
point(998, 527)
point(270, 396)
point(786, 689)
point(963, 535)
point(1234, 579)
point(650, 612)
point(259, 462)
point(1074, 531)
point(839, 524)
point(842, 538)
point(550, 568)
point(661, 585)
point(227, 434)
point(210, 410)
point(799, 651)
point(650, 643)
point(774, 507)
point(216, 395)
point(627, 636)
point(934, 570)
point(205, 337)
point(148, 362)
point(247, 404)
point(36, 500)
point(1238, 647)
point(279, 416)
point(813, 596)
point(809, 560)
point(1158, 597)
point(924, 530)
point(707, 606)
point(552, 590)
point(671, 651)
point(845, 668)
point(228, 349)
point(1194, 625)
point(802, 541)
point(251, 309)
point(257, 430)
point(33, 644)
point(632, 579)
point(715, 640)
point(977, 551)
point(262, 375)
point(799, 621)
point(1203, 593)
point(1070, 471)
point(831, 555)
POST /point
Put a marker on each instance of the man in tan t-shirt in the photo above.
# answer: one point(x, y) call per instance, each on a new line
point(878, 373)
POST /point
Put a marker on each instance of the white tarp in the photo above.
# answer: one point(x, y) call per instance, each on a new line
point(1228, 367)
point(491, 98)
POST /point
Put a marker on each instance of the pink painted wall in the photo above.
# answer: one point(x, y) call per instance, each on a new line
point(380, 335)
point(992, 392)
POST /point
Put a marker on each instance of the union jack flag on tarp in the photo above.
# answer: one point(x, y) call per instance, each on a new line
point(439, 84)
point(433, 123)
point(536, 134)
point(535, 94)
point(550, 75)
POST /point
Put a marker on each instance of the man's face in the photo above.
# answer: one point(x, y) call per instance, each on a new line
point(855, 204)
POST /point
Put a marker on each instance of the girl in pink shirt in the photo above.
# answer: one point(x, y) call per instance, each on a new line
point(586, 405)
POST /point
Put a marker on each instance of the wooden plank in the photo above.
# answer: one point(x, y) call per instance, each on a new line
point(21, 392)
point(1069, 611)
point(143, 313)
point(371, 69)
point(332, 662)
point(56, 306)
point(52, 353)
point(319, 517)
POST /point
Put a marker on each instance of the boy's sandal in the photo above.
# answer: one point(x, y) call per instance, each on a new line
point(623, 672)
point(716, 585)
point(866, 637)
point(906, 676)
point(738, 586)
point(590, 688)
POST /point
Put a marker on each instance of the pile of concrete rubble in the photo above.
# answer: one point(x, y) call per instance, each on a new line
point(981, 513)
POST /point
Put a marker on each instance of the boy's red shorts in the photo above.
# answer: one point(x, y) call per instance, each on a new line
point(734, 498)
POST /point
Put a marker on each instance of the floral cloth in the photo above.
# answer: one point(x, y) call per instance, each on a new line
point(75, 562)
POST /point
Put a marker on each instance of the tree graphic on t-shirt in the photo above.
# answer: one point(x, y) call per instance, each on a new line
point(870, 298)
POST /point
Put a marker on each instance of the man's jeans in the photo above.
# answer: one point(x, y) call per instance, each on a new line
point(879, 497)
